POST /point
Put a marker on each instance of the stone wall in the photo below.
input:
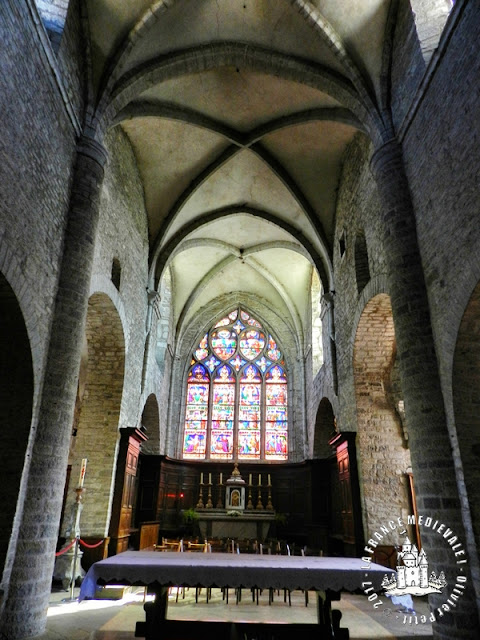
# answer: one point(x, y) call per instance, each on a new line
point(123, 235)
point(116, 330)
point(444, 183)
point(36, 152)
point(439, 146)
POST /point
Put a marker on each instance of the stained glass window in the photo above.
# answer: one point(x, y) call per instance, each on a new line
point(236, 404)
point(276, 440)
point(196, 412)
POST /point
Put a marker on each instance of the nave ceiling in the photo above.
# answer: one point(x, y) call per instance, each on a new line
point(239, 113)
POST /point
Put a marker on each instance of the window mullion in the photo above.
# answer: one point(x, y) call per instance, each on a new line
point(235, 417)
point(262, 419)
point(209, 420)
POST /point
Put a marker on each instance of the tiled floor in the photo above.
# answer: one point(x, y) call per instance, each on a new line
point(115, 619)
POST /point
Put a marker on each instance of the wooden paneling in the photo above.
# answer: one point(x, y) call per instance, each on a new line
point(345, 530)
point(299, 491)
point(148, 534)
point(125, 493)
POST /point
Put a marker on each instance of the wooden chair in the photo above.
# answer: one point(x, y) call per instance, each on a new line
point(169, 545)
point(199, 547)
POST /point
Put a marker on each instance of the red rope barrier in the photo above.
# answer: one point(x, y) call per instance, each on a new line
point(62, 551)
point(91, 546)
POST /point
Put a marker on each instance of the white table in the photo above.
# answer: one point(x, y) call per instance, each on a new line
point(327, 576)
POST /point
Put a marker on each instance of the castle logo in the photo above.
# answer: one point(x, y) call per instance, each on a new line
point(412, 574)
point(412, 578)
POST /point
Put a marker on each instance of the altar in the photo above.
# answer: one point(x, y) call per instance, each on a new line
point(240, 519)
point(246, 524)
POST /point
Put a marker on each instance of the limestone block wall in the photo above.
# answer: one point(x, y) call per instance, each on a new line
point(123, 235)
point(70, 57)
point(357, 209)
point(408, 64)
point(115, 336)
point(36, 149)
point(439, 146)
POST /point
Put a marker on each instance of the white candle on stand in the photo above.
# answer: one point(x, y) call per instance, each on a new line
point(250, 479)
point(82, 472)
point(269, 480)
point(201, 477)
point(259, 479)
point(209, 478)
point(221, 477)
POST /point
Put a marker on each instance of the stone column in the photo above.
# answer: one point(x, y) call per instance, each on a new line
point(28, 593)
point(431, 451)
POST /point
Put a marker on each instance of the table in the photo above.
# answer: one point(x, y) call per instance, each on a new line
point(327, 576)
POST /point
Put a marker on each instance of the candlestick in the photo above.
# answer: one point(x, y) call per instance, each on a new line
point(269, 506)
point(82, 472)
point(219, 495)
point(250, 503)
point(209, 504)
point(259, 501)
point(200, 504)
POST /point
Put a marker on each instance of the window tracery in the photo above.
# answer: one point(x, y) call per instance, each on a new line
point(237, 398)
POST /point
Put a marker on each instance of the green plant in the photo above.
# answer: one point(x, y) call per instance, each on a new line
point(189, 516)
point(281, 518)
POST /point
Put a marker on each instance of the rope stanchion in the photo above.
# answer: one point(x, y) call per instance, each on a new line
point(62, 551)
point(90, 546)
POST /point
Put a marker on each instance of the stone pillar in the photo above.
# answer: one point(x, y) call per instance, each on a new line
point(28, 592)
point(431, 451)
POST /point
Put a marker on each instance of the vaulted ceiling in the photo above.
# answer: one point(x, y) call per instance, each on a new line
point(239, 113)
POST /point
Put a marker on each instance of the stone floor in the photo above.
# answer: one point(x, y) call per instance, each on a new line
point(115, 619)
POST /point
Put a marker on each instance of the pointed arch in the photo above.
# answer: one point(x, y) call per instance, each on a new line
point(325, 428)
point(151, 423)
point(236, 404)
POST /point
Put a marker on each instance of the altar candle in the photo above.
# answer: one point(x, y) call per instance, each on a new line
point(201, 477)
point(209, 478)
point(82, 472)
point(221, 477)
point(269, 480)
point(259, 479)
point(250, 479)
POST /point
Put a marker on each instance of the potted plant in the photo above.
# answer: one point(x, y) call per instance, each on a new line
point(189, 520)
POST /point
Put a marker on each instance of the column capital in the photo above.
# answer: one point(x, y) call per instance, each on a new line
point(90, 147)
point(154, 300)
